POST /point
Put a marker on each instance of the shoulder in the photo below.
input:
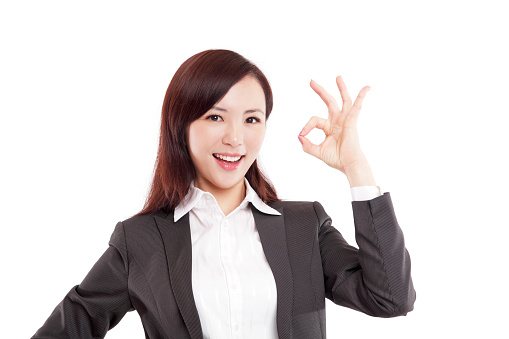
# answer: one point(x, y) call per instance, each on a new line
point(294, 205)
point(301, 209)
point(138, 229)
point(144, 220)
point(138, 237)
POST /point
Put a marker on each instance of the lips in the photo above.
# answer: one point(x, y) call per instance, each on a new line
point(228, 162)
point(228, 158)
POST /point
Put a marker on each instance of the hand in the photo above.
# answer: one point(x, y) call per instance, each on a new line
point(341, 148)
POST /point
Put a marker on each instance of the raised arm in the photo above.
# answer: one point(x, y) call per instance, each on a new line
point(374, 279)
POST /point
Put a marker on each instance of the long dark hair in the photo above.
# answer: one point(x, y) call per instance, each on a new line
point(199, 83)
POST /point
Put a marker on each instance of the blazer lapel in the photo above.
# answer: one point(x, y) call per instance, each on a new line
point(177, 243)
point(271, 229)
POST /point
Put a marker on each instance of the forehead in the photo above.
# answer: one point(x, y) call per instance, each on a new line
point(246, 92)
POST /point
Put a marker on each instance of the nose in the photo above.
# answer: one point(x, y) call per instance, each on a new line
point(233, 135)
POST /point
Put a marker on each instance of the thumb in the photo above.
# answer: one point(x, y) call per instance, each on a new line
point(309, 147)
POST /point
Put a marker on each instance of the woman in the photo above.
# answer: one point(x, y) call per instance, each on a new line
point(214, 253)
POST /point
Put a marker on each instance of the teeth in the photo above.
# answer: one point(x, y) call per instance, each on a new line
point(231, 159)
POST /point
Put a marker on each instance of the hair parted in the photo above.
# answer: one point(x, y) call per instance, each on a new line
point(199, 83)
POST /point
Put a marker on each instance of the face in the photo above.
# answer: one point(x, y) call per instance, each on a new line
point(225, 141)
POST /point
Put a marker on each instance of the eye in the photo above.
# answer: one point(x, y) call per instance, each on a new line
point(252, 120)
point(214, 117)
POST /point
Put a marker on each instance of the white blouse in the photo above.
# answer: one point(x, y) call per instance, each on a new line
point(233, 286)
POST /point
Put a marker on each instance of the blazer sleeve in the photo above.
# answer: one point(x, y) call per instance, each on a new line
point(374, 279)
point(90, 309)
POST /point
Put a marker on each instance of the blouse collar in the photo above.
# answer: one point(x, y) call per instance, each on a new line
point(196, 197)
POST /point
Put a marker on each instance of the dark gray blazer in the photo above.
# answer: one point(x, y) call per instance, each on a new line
point(147, 268)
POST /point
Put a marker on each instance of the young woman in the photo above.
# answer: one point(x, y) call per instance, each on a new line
point(214, 253)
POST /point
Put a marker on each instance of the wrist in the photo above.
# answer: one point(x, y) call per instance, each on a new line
point(360, 175)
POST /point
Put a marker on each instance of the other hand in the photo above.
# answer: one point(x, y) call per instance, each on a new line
point(341, 148)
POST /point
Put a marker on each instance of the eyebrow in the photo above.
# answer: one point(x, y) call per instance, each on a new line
point(246, 112)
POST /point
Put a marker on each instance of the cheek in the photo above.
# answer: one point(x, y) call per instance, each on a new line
point(198, 138)
point(254, 139)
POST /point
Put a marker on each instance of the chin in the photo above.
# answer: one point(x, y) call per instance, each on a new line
point(228, 182)
point(221, 179)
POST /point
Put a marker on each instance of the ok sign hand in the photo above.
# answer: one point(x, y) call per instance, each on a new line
point(341, 148)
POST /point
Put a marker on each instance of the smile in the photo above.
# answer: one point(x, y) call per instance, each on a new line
point(228, 163)
point(226, 158)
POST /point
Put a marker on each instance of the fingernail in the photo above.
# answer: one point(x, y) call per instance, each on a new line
point(300, 133)
point(300, 139)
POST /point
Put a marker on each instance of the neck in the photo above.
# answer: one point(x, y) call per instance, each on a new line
point(227, 198)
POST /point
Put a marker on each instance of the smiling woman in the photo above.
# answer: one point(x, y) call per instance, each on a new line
point(225, 142)
point(214, 253)
point(209, 94)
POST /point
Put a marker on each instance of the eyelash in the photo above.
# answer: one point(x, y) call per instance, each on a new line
point(210, 117)
point(213, 115)
point(255, 118)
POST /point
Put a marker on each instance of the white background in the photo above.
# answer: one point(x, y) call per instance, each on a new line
point(82, 85)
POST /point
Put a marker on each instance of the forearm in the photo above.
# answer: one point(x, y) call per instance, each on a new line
point(382, 255)
point(98, 303)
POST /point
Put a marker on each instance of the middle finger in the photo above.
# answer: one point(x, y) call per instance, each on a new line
point(345, 96)
point(329, 100)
